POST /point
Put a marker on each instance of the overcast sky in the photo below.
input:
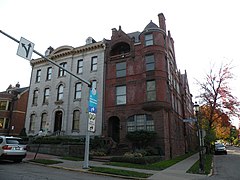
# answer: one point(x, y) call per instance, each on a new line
point(204, 31)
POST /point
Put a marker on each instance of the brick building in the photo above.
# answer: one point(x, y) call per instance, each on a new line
point(13, 106)
point(144, 90)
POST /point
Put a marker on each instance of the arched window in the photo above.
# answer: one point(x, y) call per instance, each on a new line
point(35, 97)
point(46, 95)
point(60, 92)
point(78, 90)
point(76, 120)
point(120, 48)
point(43, 121)
point(32, 122)
point(140, 122)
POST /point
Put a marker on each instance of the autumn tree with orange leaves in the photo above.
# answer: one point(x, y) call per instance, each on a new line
point(216, 99)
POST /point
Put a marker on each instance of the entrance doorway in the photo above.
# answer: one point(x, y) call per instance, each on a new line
point(58, 121)
point(114, 128)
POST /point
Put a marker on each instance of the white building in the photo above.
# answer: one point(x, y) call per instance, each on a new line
point(58, 102)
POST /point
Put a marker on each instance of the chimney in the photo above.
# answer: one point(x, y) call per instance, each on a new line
point(162, 23)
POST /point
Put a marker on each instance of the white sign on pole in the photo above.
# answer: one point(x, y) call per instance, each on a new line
point(91, 121)
point(25, 49)
point(189, 120)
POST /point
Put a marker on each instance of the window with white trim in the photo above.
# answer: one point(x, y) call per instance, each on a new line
point(121, 69)
point(151, 90)
point(150, 62)
point(120, 95)
point(76, 120)
point(32, 122)
point(46, 95)
point(140, 122)
point(60, 92)
point(38, 75)
point(78, 90)
point(94, 63)
point(80, 66)
point(148, 39)
point(61, 72)
point(49, 73)
point(35, 97)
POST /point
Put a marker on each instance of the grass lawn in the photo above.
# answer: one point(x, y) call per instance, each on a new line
point(207, 165)
point(119, 172)
point(45, 161)
point(155, 166)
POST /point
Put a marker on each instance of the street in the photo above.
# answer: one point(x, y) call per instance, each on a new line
point(26, 171)
point(227, 166)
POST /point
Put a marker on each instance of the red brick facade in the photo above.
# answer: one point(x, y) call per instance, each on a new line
point(166, 108)
point(13, 117)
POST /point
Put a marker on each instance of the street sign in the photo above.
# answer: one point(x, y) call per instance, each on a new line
point(92, 105)
point(91, 121)
point(190, 120)
point(92, 110)
point(25, 49)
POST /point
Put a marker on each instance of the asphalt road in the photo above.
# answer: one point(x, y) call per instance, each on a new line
point(27, 171)
point(227, 167)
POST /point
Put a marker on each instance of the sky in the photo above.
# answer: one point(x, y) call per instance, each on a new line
point(205, 32)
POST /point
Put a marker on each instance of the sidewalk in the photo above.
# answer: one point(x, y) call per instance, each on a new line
point(175, 172)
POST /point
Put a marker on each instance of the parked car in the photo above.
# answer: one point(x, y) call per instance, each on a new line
point(11, 148)
point(220, 149)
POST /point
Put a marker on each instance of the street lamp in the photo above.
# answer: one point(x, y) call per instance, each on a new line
point(196, 109)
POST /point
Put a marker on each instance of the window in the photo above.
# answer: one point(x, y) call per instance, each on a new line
point(94, 63)
point(78, 91)
point(49, 73)
point(121, 95)
point(3, 105)
point(80, 66)
point(76, 120)
point(32, 122)
point(148, 39)
point(61, 72)
point(60, 92)
point(121, 69)
point(150, 65)
point(38, 76)
point(46, 96)
point(35, 97)
point(1, 123)
point(140, 122)
point(43, 121)
point(4, 123)
point(151, 91)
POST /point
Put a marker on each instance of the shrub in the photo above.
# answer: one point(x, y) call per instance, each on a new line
point(141, 139)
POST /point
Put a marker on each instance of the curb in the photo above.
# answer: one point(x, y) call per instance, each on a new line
point(84, 171)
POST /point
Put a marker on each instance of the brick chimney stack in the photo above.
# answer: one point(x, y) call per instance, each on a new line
point(162, 20)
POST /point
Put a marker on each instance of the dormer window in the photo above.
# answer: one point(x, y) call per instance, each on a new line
point(148, 39)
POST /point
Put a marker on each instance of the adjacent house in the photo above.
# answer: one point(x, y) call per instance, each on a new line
point(144, 90)
point(13, 107)
point(58, 102)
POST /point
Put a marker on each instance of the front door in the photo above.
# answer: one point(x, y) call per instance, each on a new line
point(114, 128)
point(58, 121)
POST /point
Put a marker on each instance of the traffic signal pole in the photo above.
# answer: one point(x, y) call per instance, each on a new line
point(49, 60)
point(87, 140)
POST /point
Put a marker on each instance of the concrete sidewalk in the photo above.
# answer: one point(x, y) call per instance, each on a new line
point(175, 172)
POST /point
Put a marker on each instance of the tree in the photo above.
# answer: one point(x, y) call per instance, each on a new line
point(216, 96)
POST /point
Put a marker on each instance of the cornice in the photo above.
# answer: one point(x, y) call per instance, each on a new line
point(71, 52)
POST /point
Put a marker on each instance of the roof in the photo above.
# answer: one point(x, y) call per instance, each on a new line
point(151, 25)
point(134, 35)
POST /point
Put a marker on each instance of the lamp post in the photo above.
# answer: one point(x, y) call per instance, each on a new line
point(196, 109)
